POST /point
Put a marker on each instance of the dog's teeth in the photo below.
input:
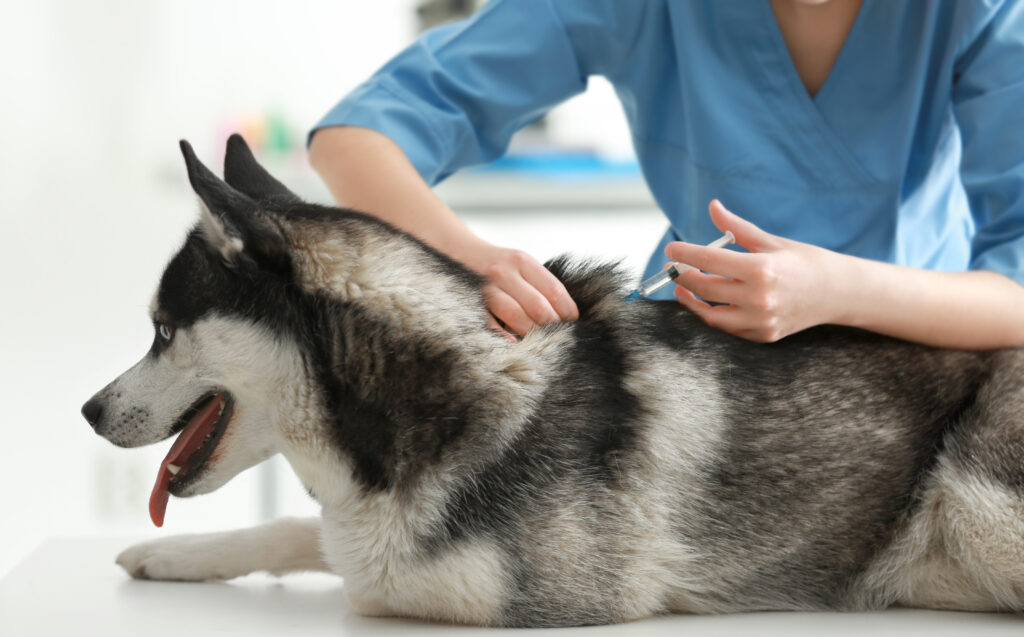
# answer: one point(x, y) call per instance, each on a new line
point(173, 468)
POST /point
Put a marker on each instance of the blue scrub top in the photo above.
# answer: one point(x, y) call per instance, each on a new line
point(912, 152)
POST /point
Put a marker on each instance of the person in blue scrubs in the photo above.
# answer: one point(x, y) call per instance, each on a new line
point(871, 152)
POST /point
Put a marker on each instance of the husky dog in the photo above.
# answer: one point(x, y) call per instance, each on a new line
point(631, 463)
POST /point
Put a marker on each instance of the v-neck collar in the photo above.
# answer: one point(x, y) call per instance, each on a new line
point(809, 115)
point(852, 37)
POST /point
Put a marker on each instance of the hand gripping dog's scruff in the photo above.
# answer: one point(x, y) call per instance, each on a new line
point(631, 463)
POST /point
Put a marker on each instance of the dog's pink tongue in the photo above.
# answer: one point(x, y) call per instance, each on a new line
point(188, 442)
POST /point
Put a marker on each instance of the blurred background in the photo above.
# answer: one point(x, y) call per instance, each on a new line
point(94, 200)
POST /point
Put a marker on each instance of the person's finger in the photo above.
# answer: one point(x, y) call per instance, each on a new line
point(688, 299)
point(551, 289)
point(494, 325)
point(710, 287)
point(728, 318)
point(747, 234)
point(736, 265)
point(529, 299)
point(507, 310)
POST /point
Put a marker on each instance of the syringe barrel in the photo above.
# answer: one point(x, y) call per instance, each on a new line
point(667, 275)
point(660, 280)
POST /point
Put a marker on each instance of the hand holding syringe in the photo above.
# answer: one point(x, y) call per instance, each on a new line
point(673, 270)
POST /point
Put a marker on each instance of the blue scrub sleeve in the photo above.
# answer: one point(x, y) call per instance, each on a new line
point(988, 103)
point(455, 97)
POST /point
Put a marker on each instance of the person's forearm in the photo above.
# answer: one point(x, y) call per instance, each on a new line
point(367, 171)
point(966, 310)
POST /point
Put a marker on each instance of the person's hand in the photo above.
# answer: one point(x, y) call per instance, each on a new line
point(520, 291)
point(780, 287)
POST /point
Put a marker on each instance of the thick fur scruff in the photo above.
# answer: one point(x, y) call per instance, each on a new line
point(631, 463)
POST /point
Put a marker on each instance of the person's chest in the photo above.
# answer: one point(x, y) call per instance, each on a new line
point(730, 98)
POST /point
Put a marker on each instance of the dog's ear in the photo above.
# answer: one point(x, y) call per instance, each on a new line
point(232, 223)
point(244, 173)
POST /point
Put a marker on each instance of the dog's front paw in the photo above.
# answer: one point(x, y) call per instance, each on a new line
point(367, 606)
point(187, 558)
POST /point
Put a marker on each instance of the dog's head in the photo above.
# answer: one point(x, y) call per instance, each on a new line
point(219, 373)
point(272, 309)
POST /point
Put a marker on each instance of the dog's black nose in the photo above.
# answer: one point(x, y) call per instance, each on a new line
point(93, 411)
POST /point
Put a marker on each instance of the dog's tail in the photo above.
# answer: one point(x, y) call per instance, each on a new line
point(588, 281)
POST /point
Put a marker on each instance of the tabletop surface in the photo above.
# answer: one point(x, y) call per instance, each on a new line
point(71, 586)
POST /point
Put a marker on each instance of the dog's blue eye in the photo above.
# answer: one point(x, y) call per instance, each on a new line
point(165, 332)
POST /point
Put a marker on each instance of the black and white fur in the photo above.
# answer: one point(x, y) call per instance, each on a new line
point(631, 463)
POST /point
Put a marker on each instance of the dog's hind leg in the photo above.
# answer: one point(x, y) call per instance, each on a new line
point(975, 507)
point(984, 503)
point(278, 547)
point(984, 534)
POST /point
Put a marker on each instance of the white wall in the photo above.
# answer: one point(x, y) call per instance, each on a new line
point(93, 198)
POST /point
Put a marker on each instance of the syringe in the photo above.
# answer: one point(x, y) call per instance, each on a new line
point(667, 275)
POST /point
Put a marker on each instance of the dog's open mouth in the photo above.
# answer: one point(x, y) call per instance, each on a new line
point(202, 426)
